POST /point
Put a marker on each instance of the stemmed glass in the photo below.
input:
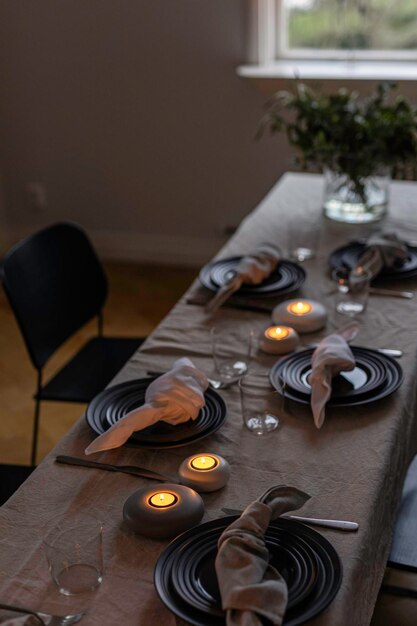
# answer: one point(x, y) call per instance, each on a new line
point(232, 353)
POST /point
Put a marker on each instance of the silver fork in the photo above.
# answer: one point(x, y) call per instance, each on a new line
point(51, 620)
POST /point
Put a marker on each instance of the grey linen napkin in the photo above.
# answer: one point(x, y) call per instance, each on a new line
point(250, 588)
point(331, 357)
point(174, 397)
point(383, 249)
point(251, 269)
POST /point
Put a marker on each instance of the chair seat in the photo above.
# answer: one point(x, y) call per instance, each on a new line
point(90, 370)
point(11, 477)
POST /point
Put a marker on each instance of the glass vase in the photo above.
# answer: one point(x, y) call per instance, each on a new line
point(347, 201)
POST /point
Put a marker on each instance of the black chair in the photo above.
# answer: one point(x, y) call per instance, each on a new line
point(55, 284)
point(11, 477)
point(397, 600)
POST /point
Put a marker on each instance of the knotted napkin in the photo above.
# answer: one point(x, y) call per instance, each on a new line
point(251, 269)
point(250, 588)
point(383, 249)
point(331, 357)
point(174, 397)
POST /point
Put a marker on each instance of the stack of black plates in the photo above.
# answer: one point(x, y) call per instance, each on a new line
point(347, 257)
point(287, 277)
point(186, 581)
point(109, 406)
point(375, 376)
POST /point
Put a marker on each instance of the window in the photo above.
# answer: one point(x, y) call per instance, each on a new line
point(333, 40)
point(346, 29)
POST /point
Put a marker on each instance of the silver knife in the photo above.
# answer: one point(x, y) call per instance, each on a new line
point(377, 291)
point(312, 521)
point(125, 469)
point(394, 352)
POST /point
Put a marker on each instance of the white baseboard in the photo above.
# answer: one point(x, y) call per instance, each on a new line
point(144, 248)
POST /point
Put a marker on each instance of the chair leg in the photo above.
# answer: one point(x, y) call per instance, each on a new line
point(35, 432)
point(36, 421)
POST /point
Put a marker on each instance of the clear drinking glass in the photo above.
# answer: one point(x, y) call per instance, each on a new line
point(352, 291)
point(303, 237)
point(74, 551)
point(232, 353)
point(261, 404)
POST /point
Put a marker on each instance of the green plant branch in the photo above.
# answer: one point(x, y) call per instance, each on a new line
point(341, 132)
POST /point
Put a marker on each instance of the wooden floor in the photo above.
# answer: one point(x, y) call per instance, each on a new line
point(140, 296)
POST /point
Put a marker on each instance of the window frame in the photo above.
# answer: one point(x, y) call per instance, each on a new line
point(272, 42)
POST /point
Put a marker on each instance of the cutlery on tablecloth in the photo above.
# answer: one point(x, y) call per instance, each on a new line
point(312, 521)
point(214, 384)
point(235, 304)
point(393, 352)
point(56, 620)
point(377, 291)
point(125, 469)
point(396, 354)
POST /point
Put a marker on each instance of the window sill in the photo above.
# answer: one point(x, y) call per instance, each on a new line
point(332, 70)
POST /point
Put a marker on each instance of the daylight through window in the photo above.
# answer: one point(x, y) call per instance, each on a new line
point(347, 28)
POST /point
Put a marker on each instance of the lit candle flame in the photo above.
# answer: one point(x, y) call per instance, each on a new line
point(299, 308)
point(204, 462)
point(277, 332)
point(162, 500)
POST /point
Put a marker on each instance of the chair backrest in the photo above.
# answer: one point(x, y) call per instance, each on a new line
point(55, 284)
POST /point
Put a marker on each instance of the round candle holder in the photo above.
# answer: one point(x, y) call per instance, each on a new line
point(204, 472)
point(163, 511)
point(305, 316)
point(279, 340)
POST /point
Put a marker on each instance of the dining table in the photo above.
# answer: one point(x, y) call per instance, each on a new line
point(353, 467)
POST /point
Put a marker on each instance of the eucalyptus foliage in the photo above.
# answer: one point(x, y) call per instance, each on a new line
point(352, 136)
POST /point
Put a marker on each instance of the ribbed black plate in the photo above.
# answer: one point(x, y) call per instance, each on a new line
point(201, 581)
point(287, 374)
point(194, 578)
point(348, 256)
point(369, 374)
point(287, 277)
point(113, 403)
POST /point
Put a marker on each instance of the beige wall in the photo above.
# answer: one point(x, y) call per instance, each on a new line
point(4, 231)
point(131, 115)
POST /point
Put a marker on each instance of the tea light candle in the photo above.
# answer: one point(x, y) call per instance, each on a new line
point(299, 308)
point(204, 472)
point(279, 340)
point(163, 512)
point(305, 316)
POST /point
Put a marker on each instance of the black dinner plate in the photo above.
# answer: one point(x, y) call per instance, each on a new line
point(369, 375)
point(362, 394)
point(322, 587)
point(113, 403)
point(194, 577)
point(347, 257)
point(287, 277)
